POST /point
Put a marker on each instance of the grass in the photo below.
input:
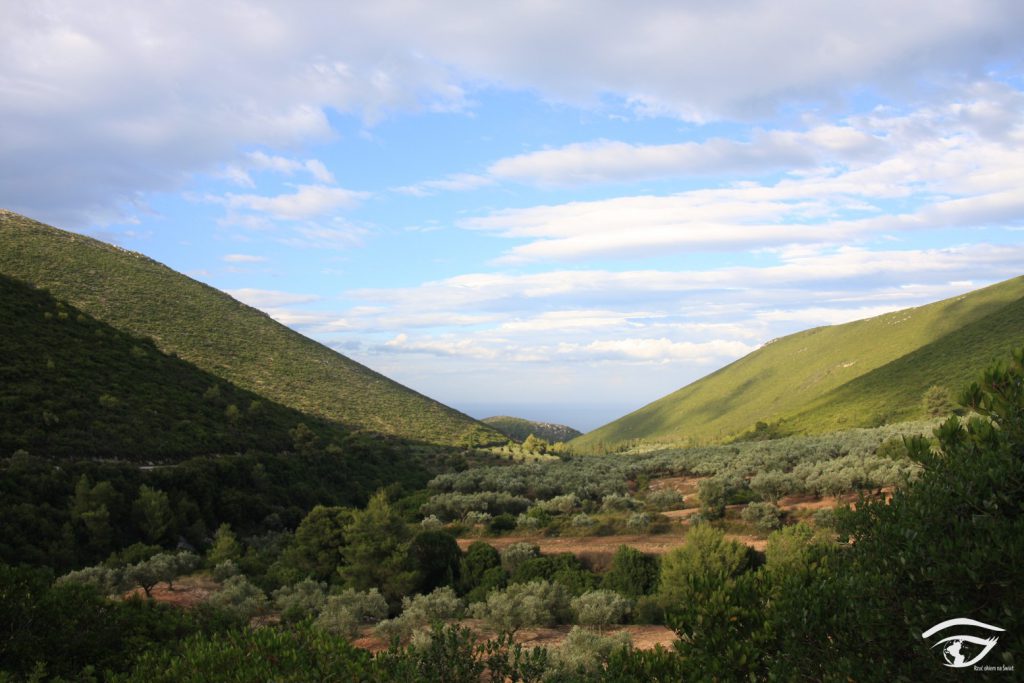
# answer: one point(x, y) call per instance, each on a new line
point(72, 386)
point(859, 374)
point(222, 336)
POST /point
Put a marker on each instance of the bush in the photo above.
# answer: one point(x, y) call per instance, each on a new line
point(225, 570)
point(665, 499)
point(240, 597)
point(420, 611)
point(632, 573)
point(638, 521)
point(712, 494)
point(600, 608)
point(503, 522)
point(583, 521)
point(300, 600)
point(518, 553)
point(585, 653)
point(345, 612)
point(764, 516)
point(431, 523)
point(538, 603)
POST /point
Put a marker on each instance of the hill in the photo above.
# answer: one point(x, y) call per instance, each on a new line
point(859, 374)
point(222, 336)
point(517, 429)
point(72, 386)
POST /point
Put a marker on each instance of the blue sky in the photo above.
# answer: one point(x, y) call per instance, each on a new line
point(555, 210)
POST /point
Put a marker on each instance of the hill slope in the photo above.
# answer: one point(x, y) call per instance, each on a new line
point(72, 386)
point(221, 335)
point(517, 429)
point(858, 374)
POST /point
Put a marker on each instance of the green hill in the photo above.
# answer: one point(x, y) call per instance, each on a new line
point(859, 374)
point(517, 429)
point(74, 387)
point(222, 336)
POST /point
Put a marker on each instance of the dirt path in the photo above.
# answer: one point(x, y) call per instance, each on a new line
point(643, 636)
point(599, 549)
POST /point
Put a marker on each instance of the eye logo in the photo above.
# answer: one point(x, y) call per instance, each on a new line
point(953, 647)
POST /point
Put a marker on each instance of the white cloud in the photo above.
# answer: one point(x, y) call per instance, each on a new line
point(89, 90)
point(308, 201)
point(456, 182)
point(244, 258)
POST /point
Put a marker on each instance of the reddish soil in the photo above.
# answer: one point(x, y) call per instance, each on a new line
point(596, 551)
point(644, 637)
point(685, 485)
point(188, 591)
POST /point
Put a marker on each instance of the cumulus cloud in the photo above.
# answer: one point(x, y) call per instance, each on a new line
point(244, 258)
point(106, 101)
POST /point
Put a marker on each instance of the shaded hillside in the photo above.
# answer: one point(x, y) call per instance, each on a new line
point(72, 386)
point(812, 374)
point(517, 429)
point(221, 335)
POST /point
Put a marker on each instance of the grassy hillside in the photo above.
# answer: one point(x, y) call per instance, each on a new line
point(72, 386)
point(862, 373)
point(517, 429)
point(221, 335)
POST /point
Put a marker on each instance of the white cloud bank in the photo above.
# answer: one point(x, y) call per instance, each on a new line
point(102, 102)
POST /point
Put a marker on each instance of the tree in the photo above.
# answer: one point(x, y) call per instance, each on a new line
point(632, 573)
point(600, 608)
point(706, 562)
point(152, 510)
point(377, 552)
point(538, 603)
point(298, 601)
point(436, 557)
point(318, 547)
point(345, 612)
point(713, 495)
point(225, 546)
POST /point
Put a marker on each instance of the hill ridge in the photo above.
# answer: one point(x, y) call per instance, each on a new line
point(780, 379)
point(224, 336)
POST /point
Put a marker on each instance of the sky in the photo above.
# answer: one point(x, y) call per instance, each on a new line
point(555, 210)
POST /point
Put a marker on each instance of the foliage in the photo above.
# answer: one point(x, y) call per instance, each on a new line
point(584, 653)
point(537, 603)
point(632, 573)
point(519, 429)
point(665, 499)
point(600, 608)
point(346, 611)
point(860, 374)
point(518, 553)
point(420, 611)
point(240, 596)
point(436, 558)
point(376, 553)
point(764, 516)
point(230, 340)
point(301, 600)
point(691, 572)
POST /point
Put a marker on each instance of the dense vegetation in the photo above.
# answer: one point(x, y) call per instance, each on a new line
point(816, 605)
point(860, 374)
point(222, 336)
point(74, 387)
point(518, 429)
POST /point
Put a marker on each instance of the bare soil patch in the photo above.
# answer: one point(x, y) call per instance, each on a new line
point(643, 636)
point(684, 485)
point(188, 591)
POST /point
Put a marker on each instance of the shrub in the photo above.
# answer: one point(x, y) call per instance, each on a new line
point(600, 608)
point(638, 521)
point(583, 521)
point(665, 499)
point(518, 553)
point(585, 653)
point(431, 523)
point(538, 603)
point(632, 573)
point(225, 570)
point(240, 597)
point(503, 522)
point(300, 600)
point(764, 516)
point(771, 485)
point(345, 612)
point(712, 498)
